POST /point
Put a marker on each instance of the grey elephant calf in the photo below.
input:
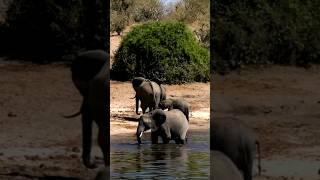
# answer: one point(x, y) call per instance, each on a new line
point(169, 125)
point(149, 93)
point(90, 75)
point(181, 104)
point(222, 168)
point(237, 141)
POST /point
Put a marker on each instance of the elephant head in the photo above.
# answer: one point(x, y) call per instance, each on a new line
point(152, 120)
point(165, 104)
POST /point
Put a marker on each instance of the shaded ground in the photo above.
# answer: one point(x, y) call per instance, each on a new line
point(282, 105)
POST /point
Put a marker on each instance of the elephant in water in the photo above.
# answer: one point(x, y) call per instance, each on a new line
point(169, 125)
point(149, 93)
point(236, 141)
point(222, 168)
point(90, 75)
point(181, 104)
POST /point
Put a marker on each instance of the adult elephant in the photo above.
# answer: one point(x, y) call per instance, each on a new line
point(90, 75)
point(222, 168)
point(169, 125)
point(149, 93)
point(181, 104)
point(103, 174)
point(236, 141)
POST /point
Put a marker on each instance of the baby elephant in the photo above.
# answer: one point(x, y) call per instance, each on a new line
point(222, 168)
point(181, 104)
point(169, 125)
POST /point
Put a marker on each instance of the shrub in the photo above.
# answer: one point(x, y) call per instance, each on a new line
point(48, 29)
point(118, 22)
point(265, 32)
point(166, 51)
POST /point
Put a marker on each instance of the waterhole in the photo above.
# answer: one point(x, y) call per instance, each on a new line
point(160, 161)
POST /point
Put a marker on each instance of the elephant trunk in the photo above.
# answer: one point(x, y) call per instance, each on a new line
point(140, 131)
point(139, 137)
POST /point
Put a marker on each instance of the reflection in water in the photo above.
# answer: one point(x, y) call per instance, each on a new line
point(161, 161)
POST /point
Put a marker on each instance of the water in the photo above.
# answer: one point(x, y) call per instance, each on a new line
point(160, 161)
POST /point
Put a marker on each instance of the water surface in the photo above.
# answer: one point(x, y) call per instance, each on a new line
point(160, 161)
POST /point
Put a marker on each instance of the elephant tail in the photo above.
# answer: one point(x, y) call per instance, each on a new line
point(72, 115)
point(259, 156)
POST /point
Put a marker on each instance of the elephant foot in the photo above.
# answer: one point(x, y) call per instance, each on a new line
point(90, 164)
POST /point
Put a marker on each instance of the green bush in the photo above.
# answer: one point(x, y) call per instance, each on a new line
point(48, 29)
point(166, 51)
point(265, 32)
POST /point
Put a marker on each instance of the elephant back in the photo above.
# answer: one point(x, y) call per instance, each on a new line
point(177, 119)
point(163, 95)
point(223, 168)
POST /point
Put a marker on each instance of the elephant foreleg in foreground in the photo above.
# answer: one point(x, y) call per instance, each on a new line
point(90, 75)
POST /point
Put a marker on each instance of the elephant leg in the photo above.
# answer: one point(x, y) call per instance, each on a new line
point(179, 141)
point(247, 170)
point(137, 105)
point(103, 141)
point(86, 136)
point(165, 140)
point(166, 136)
point(154, 137)
point(144, 108)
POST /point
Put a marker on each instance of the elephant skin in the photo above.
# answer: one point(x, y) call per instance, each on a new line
point(103, 174)
point(148, 93)
point(169, 125)
point(222, 168)
point(90, 75)
point(181, 104)
point(237, 141)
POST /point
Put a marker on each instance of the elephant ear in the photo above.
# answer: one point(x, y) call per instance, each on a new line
point(137, 81)
point(159, 118)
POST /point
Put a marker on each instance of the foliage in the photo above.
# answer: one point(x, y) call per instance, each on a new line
point(118, 21)
point(196, 13)
point(189, 11)
point(166, 51)
point(124, 12)
point(147, 10)
point(48, 29)
point(203, 34)
point(264, 32)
